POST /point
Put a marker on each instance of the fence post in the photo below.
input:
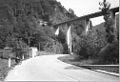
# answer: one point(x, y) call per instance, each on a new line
point(23, 57)
point(9, 62)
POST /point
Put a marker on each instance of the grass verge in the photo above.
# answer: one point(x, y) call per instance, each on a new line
point(88, 63)
point(4, 68)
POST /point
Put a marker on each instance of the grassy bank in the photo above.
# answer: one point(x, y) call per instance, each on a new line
point(88, 63)
point(4, 68)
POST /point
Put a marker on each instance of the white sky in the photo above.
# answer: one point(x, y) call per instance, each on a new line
point(84, 7)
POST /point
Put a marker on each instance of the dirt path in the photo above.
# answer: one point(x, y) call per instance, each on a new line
point(49, 68)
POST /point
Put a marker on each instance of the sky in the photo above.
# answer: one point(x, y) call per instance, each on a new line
point(84, 7)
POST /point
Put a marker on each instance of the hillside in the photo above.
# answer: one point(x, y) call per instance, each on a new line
point(43, 8)
point(29, 23)
point(26, 23)
point(21, 19)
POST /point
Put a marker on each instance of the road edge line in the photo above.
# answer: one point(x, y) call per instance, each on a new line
point(106, 72)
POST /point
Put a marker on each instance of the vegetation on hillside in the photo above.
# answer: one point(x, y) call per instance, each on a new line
point(101, 42)
point(21, 20)
point(24, 21)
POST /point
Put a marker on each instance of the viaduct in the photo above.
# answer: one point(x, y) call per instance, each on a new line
point(87, 18)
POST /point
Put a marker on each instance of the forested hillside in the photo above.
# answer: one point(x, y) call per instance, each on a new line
point(22, 20)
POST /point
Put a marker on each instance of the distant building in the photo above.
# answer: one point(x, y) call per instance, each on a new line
point(42, 23)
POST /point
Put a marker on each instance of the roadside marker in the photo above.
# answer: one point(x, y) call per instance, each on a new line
point(9, 62)
point(23, 57)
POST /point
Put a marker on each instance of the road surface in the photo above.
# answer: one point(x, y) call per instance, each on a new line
point(49, 68)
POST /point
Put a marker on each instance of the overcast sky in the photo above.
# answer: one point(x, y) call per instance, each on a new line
point(84, 7)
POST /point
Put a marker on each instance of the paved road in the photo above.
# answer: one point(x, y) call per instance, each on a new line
point(49, 68)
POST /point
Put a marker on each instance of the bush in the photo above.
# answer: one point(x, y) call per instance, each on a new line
point(65, 48)
point(89, 45)
point(17, 48)
point(54, 47)
point(110, 53)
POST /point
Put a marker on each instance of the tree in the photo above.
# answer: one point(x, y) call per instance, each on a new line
point(109, 21)
point(110, 52)
point(71, 11)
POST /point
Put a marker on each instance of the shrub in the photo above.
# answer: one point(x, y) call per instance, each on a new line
point(110, 53)
point(53, 46)
point(89, 45)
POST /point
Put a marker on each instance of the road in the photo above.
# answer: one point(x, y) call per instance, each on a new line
point(49, 68)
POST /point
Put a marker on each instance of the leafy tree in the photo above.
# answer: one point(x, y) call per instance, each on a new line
point(21, 20)
point(109, 21)
point(71, 11)
point(111, 36)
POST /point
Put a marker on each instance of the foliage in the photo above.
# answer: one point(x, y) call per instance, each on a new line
point(110, 53)
point(53, 46)
point(90, 44)
point(93, 44)
point(109, 21)
point(20, 20)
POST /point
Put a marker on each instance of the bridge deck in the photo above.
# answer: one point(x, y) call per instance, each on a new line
point(96, 14)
